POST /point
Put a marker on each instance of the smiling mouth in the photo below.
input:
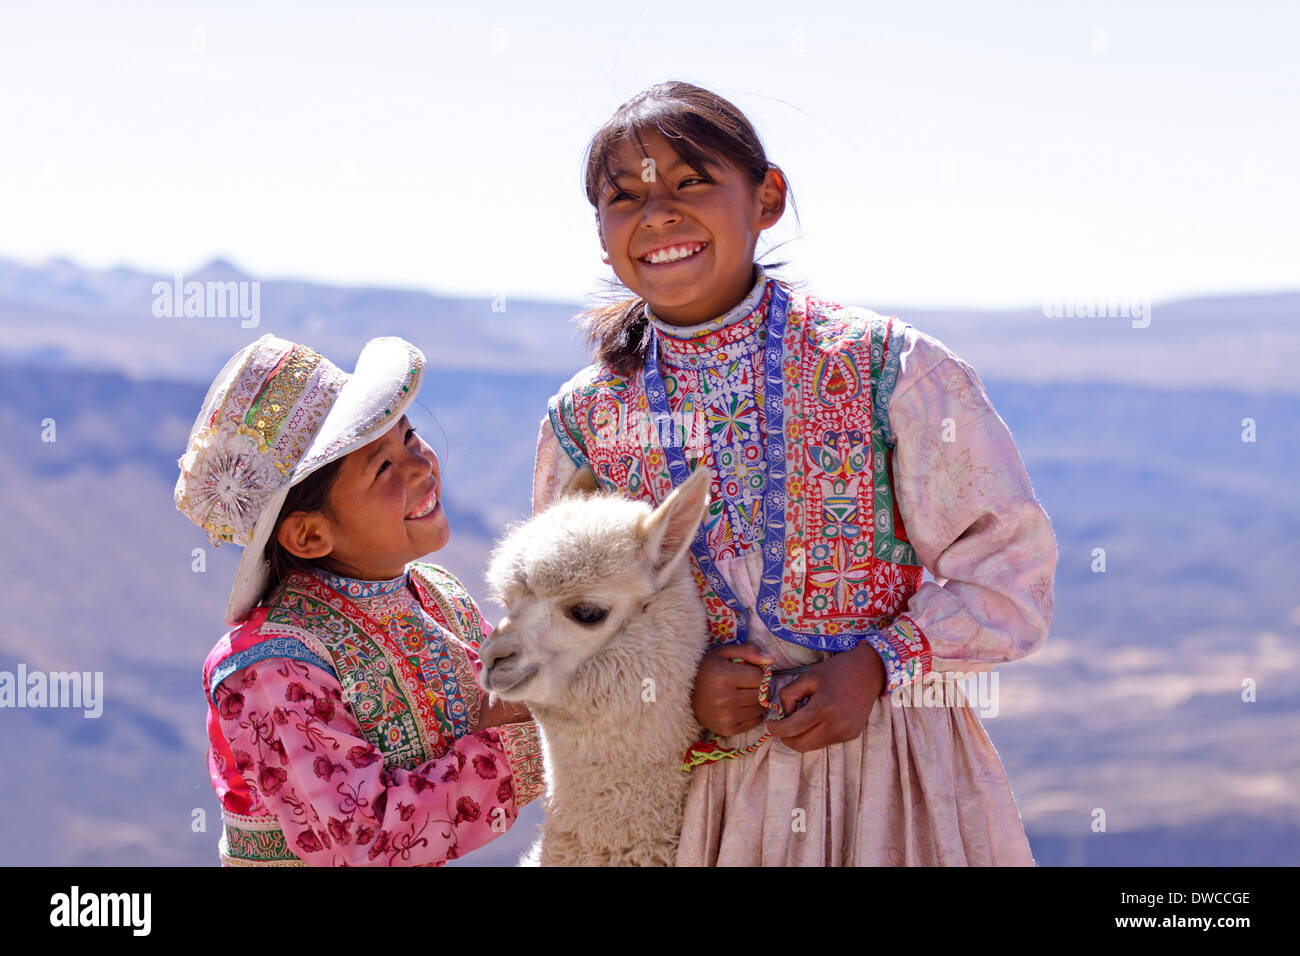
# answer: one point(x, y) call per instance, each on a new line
point(427, 508)
point(673, 254)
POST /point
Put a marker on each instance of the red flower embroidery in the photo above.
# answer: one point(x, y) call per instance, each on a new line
point(420, 783)
point(339, 830)
point(362, 756)
point(295, 692)
point(270, 779)
point(364, 834)
point(381, 844)
point(466, 809)
point(505, 790)
point(307, 842)
point(242, 760)
point(451, 774)
point(485, 767)
point(231, 706)
point(322, 708)
point(404, 810)
point(325, 767)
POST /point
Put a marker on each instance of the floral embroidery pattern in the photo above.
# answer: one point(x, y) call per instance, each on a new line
point(329, 769)
point(829, 524)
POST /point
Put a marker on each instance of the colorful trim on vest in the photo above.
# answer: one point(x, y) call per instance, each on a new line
point(395, 689)
point(441, 589)
point(410, 695)
point(273, 647)
point(837, 563)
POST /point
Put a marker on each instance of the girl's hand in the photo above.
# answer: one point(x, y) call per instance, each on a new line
point(841, 691)
point(726, 694)
point(496, 712)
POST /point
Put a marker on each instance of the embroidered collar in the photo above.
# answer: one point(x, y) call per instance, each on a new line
point(356, 588)
point(737, 333)
point(741, 310)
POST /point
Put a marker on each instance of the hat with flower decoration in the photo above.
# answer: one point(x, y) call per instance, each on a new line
point(277, 412)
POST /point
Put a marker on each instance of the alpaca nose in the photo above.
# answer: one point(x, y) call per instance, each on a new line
point(494, 652)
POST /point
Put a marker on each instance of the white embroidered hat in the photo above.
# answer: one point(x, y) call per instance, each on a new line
point(277, 412)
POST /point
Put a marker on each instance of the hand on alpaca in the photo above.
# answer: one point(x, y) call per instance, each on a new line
point(841, 691)
point(496, 712)
point(725, 698)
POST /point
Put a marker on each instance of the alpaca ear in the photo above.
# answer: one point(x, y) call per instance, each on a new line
point(582, 482)
point(667, 532)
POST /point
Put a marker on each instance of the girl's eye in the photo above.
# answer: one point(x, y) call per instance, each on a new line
point(617, 196)
point(691, 179)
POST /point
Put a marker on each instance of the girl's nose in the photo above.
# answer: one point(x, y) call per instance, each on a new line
point(659, 212)
point(423, 460)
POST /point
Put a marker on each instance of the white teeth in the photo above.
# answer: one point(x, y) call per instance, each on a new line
point(673, 253)
point(428, 508)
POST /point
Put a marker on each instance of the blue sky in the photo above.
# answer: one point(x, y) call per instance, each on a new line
point(941, 154)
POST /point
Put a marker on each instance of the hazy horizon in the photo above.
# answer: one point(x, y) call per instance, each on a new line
point(939, 157)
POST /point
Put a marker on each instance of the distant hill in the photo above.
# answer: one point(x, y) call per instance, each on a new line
point(1133, 706)
point(60, 313)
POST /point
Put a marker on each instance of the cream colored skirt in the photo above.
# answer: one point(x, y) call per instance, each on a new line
point(922, 786)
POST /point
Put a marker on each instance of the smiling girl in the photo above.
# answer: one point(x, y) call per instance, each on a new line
point(344, 714)
point(850, 451)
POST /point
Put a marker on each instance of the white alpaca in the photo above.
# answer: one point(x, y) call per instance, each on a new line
point(604, 634)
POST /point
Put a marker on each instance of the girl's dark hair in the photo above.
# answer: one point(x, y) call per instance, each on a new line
point(310, 494)
point(701, 126)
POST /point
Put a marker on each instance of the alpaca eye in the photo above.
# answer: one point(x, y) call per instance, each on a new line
point(587, 614)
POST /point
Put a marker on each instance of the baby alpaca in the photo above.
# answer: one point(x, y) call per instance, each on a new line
point(604, 634)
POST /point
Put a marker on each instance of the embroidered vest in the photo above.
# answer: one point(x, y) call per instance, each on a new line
point(836, 559)
point(396, 688)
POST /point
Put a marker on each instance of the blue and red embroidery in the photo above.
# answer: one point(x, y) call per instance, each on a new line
point(795, 398)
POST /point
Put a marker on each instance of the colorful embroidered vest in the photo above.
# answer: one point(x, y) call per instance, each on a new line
point(801, 451)
point(398, 687)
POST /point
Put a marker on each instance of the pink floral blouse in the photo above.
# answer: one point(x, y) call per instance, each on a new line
point(286, 746)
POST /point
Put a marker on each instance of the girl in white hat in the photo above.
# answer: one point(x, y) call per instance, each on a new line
point(346, 722)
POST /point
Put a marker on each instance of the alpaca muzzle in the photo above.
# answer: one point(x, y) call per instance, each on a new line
point(503, 667)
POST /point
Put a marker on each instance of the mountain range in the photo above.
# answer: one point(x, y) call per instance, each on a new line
point(1132, 436)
